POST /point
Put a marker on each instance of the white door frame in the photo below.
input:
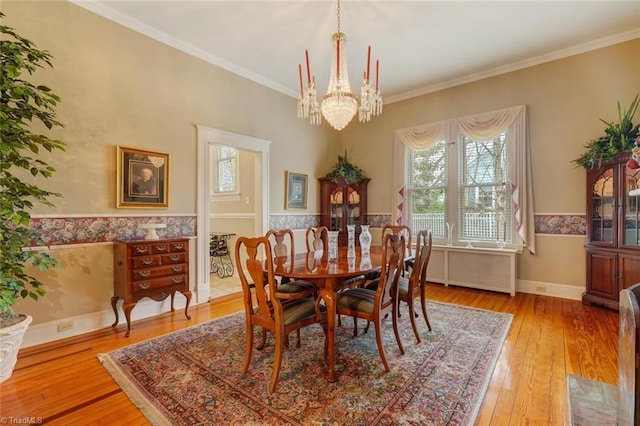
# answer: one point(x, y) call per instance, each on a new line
point(209, 136)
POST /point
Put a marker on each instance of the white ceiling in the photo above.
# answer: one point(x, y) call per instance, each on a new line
point(422, 46)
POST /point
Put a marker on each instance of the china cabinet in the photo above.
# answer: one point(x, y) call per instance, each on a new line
point(613, 231)
point(343, 204)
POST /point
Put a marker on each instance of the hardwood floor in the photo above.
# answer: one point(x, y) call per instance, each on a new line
point(63, 383)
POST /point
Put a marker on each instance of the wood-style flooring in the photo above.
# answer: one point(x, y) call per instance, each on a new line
point(63, 383)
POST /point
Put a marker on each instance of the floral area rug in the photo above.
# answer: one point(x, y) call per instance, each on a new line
point(192, 377)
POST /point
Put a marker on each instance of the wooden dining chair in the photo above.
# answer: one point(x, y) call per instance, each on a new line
point(317, 238)
point(283, 252)
point(414, 285)
point(374, 305)
point(267, 308)
point(404, 230)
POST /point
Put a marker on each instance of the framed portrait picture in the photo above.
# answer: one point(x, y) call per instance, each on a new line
point(142, 178)
point(296, 190)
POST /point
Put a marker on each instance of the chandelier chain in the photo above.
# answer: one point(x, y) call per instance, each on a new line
point(338, 14)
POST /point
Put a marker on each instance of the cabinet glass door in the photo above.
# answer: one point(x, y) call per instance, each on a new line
point(603, 207)
point(630, 208)
point(336, 210)
point(353, 207)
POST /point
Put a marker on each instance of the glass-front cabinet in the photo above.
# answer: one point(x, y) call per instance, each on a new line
point(613, 231)
point(343, 204)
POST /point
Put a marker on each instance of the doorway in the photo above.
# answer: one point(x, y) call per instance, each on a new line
point(206, 221)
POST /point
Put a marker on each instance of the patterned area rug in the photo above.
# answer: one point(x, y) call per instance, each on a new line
point(192, 377)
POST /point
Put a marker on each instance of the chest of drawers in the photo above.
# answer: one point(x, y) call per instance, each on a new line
point(154, 269)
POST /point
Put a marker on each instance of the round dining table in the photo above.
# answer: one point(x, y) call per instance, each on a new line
point(329, 277)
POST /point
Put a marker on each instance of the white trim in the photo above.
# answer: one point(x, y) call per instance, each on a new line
point(553, 56)
point(209, 136)
point(241, 216)
point(224, 196)
point(103, 10)
point(145, 308)
point(542, 288)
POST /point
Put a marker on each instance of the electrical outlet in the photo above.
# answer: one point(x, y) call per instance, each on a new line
point(65, 326)
point(541, 289)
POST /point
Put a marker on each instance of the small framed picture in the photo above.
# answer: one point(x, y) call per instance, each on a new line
point(296, 190)
point(142, 178)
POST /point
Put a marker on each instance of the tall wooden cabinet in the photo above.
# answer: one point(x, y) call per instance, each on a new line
point(613, 232)
point(343, 204)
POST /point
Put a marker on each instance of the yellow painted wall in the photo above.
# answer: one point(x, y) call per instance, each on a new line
point(565, 99)
point(119, 87)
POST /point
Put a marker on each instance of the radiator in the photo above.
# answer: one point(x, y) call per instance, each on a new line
point(483, 268)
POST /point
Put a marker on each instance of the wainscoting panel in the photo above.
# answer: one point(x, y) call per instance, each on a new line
point(483, 268)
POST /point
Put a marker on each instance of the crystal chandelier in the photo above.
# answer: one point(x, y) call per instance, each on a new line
point(339, 105)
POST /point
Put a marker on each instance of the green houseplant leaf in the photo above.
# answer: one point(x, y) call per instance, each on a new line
point(347, 171)
point(618, 137)
point(21, 103)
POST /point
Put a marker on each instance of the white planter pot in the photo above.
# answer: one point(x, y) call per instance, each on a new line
point(10, 341)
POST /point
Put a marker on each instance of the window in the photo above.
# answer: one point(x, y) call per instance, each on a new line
point(426, 194)
point(468, 179)
point(482, 188)
point(224, 172)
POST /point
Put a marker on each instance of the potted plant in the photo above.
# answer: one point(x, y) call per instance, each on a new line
point(618, 137)
point(343, 169)
point(21, 103)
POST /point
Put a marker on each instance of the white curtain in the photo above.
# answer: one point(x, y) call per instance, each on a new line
point(482, 127)
point(419, 138)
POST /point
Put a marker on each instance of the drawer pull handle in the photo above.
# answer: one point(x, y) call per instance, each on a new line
point(147, 261)
point(174, 258)
point(161, 248)
point(143, 249)
point(177, 280)
point(179, 246)
point(177, 268)
point(144, 286)
point(145, 273)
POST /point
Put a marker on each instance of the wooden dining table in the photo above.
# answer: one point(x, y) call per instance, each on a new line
point(330, 278)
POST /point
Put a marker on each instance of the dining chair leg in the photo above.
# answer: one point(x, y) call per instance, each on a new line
point(355, 326)
point(394, 320)
point(277, 362)
point(248, 349)
point(378, 327)
point(424, 308)
point(412, 316)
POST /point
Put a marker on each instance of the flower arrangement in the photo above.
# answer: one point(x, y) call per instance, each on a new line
point(343, 169)
point(619, 137)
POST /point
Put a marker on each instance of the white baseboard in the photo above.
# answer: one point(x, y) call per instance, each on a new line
point(81, 324)
point(542, 288)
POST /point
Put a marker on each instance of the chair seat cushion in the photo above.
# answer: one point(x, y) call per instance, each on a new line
point(299, 310)
point(357, 299)
point(403, 286)
point(295, 286)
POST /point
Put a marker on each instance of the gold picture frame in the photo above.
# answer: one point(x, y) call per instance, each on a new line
point(296, 188)
point(142, 178)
